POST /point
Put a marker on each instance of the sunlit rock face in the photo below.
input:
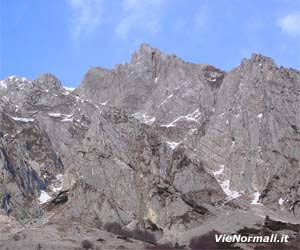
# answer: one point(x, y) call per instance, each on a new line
point(158, 145)
point(245, 121)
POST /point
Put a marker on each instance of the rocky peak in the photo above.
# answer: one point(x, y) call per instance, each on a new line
point(258, 61)
point(258, 58)
point(12, 82)
point(143, 54)
point(148, 55)
point(159, 141)
point(49, 81)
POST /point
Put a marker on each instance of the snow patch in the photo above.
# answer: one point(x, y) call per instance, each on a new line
point(3, 84)
point(79, 99)
point(280, 201)
point(66, 118)
point(260, 115)
point(69, 89)
point(142, 117)
point(11, 78)
point(97, 107)
point(17, 79)
point(255, 199)
point(44, 197)
point(164, 101)
point(55, 114)
point(104, 103)
point(189, 117)
point(22, 119)
point(224, 183)
point(192, 131)
point(156, 79)
point(172, 144)
point(220, 171)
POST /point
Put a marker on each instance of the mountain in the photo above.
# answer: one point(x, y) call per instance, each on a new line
point(151, 152)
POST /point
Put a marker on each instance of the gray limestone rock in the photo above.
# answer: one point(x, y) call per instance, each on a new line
point(156, 146)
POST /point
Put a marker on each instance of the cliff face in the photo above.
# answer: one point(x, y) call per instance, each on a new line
point(155, 87)
point(244, 124)
point(157, 145)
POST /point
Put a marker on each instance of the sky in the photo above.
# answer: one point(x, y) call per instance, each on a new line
point(67, 37)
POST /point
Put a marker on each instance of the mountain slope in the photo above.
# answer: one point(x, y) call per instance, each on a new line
point(157, 146)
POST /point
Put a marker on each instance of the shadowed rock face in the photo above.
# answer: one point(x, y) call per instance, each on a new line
point(157, 142)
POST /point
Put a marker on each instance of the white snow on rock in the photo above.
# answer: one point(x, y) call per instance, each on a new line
point(3, 84)
point(79, 99)
point(193, 116)
point(150, 121)
point(11, 77)
point(220, 171)
point(55, 114)
point(70, 89)
point(97, 107)
point(66, 118)
point(224, 183)
point(164, 101)
point(172, 144)
point(189, 117)
point(155, 80)
point(144, 118)
point(260, 115)
point(280, 201)
point(44, 197)
point(104, 103)
point(17, 79)
point(22, 119)
point(255, 199)
point(192, 131)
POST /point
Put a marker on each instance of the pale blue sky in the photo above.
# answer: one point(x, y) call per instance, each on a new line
point(66, 37)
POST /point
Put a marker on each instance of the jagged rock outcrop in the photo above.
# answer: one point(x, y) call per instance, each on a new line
point(254, 130)
point(157, 145)
point(155, 85)
point(127, 165)
point(27, 164)
point(243, 124)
